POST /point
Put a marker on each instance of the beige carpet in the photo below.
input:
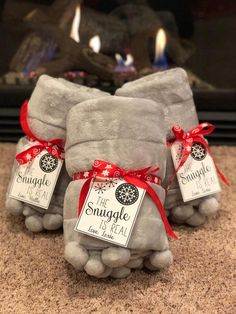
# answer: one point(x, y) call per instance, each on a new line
point(36, 279)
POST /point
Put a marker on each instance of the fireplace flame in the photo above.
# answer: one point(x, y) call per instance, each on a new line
point(126, 63)
point(160, 44)
point(119, 59)
point(95, 43)
point(74, 34)
point(129, 60)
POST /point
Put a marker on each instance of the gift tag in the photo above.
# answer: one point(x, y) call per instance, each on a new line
point(197, 177)
point(110, 210)
point(35, 181)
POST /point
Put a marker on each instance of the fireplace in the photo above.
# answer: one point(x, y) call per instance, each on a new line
point(104, 44)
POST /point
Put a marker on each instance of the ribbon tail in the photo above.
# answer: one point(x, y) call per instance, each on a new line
point(32, 152)
point(157, 201)
point(181, 163)
point(223, 178)
point(83, 195)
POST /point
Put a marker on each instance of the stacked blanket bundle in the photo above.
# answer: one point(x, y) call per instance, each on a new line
point(171, 88)
point(130, 130)
point(110, 130)
point(47, 110)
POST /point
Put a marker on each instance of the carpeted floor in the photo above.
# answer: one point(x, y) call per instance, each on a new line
point(36, 279)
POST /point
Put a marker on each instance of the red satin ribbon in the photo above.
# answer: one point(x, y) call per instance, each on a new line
point(140, 178)
point(187, 139)
point(53, 147)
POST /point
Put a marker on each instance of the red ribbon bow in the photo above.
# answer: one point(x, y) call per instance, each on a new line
point(195, 135)
point(140, 178)
point(53, 147)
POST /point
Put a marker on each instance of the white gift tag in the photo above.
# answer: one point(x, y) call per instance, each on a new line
point(35, 181)
point(197, 177)
point(110, 210)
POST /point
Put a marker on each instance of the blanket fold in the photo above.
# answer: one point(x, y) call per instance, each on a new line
point(130, 133)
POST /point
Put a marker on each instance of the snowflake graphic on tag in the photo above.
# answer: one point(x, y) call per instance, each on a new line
point(197, 177)
point(110, 210)
point(34, 182)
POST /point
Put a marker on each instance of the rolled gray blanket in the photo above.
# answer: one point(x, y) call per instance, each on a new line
point(47, 110)
point(130, 133)
point(171, 89)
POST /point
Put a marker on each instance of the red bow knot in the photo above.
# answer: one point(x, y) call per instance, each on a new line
point(138, 177)
point(197, 132)
point(53, 147)
point(195, 135)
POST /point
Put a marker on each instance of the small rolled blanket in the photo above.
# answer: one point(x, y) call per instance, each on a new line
point(129, 133)
point(171, 89)
point(47, 110)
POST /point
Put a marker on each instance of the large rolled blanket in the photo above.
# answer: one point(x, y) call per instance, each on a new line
point(171, 89)
point(47, 110)
point(130, 133)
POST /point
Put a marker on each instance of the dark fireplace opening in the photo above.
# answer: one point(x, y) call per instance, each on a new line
point(107, 43)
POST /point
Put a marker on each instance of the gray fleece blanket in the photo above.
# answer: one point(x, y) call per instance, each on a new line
point(47, 110)
point(130, 133)
point(172, 90)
